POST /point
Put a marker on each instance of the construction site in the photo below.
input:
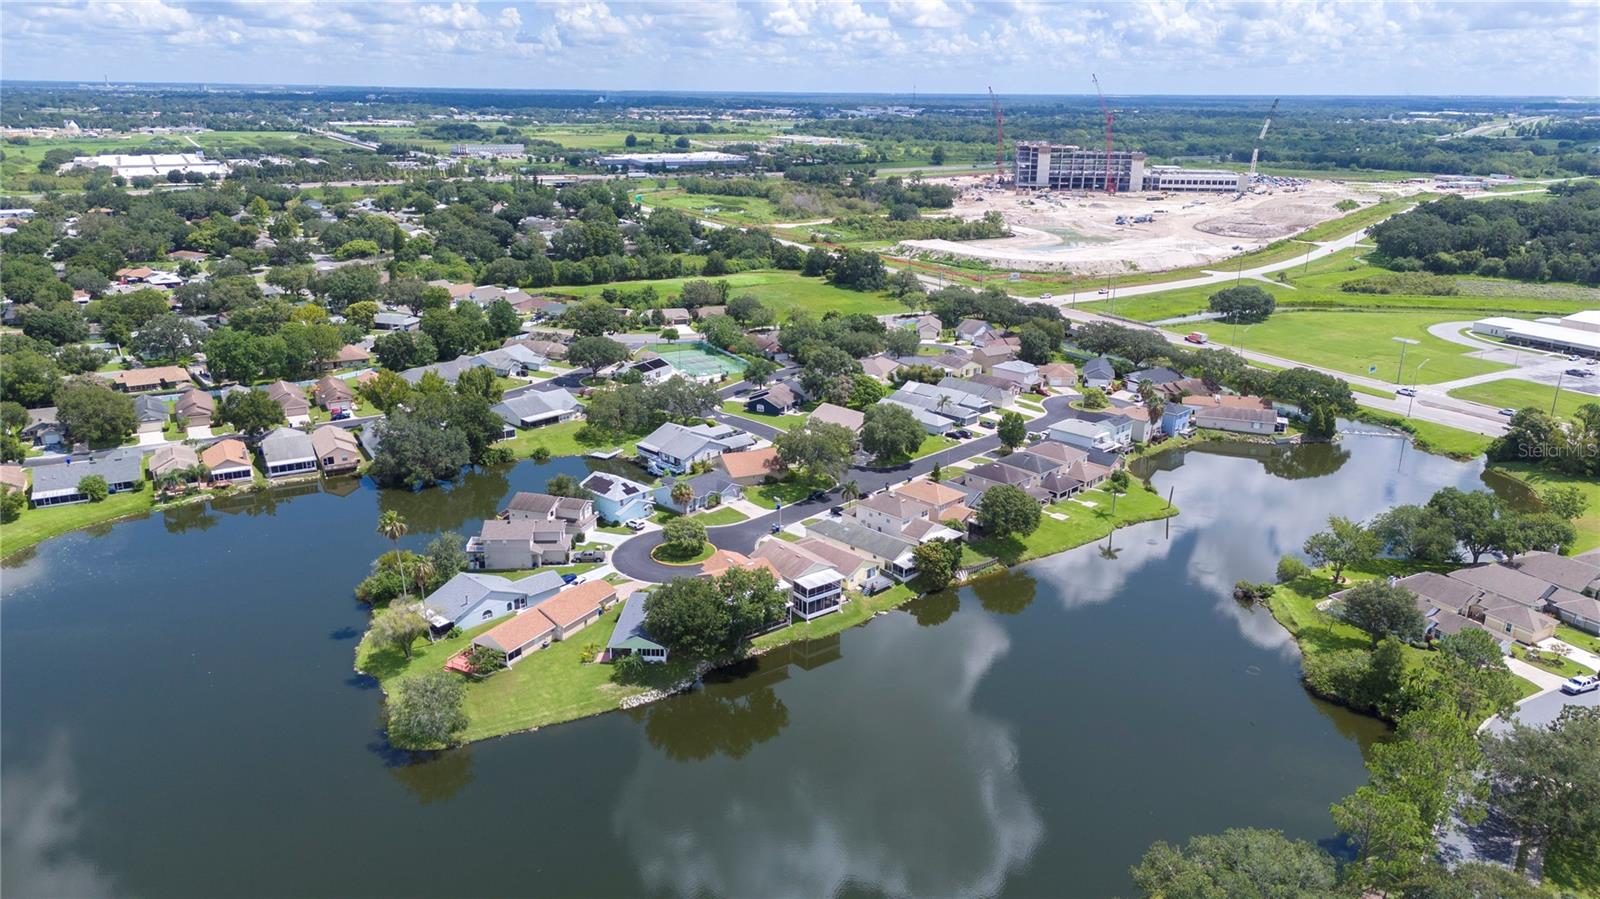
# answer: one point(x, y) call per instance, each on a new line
point(1105, 211)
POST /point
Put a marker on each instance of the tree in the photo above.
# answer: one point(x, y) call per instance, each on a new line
point(1005, 510)
point(361, 314)
point(1515, 534)
point(820, 449)
point(826, 373)
point(1245, 303)
point(425, 711)
point(565, 485)
point(1433, 764)
point(1566, 502)
point(707, 618)
point(936, 563)
point(12, 504)
point(399, 626)
point(1343, 544)
point(392, 525)
point(416, 451)
point(596, 353)
point(1418, 533)
point(1388, 834)
point(386, 390)
point(94, 488)
point(1238, 862)
point(251, 412)
point(95, 414)
point(1383, 610)
point(1119, 481)
point(58, 324)
point(1013, 430)
point(759, 371)
point(682, 492)
point(1290, 569)
point(890, 433)
point(1036, 345)
point(1094, 398)
point(1547, 780)
point(169, 338)
point(13, 417)
point(446, 555)
point(593, 318)
point(683, 537)
point(1472, 517)
point(400, 350)
point(503, 319)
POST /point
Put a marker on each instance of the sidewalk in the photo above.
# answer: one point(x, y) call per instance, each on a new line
point(1544, 679)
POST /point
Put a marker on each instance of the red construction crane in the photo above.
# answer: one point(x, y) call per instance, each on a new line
point(999, 139)
point(1111, 179)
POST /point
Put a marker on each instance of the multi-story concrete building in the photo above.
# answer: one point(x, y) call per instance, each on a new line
point(1041, 164)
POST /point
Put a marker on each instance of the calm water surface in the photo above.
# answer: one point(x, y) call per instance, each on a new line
point(179, 717)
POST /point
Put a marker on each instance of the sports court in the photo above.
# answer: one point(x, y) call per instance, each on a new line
point(699, 361)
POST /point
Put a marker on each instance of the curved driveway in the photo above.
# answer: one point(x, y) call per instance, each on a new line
point(632, 557)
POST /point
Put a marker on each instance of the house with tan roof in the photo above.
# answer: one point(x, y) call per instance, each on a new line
point(337, 450)
point(13, 477)
point(724, 559)
point(195, 408)
point(173, 457)
point(291, 399)
point(828, 413)
point(751, 467)
point(137, 380)
point(556, 618)
point(945, 501)
point(889, 513)
point(507, 544)
point(228, 460)
point(879, 367)
point(351, 354)
point(334, 395)
point(816, 588)
point(1058, 374)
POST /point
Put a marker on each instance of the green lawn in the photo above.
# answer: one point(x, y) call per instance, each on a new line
point(1431, 437)
point(564, 439)
point(721, 516)
point(783, 291)
point(726, 209)
point(1515, 393)
point(934, 443)
point(1357, 219)
point(1549, 661)
point(1084, 524)
point(38, 525)
point(545, 687)
point(1569, 634)
point(1541, 479)
point(669, 556)
point(857, 610)
point(782, 422)
point(789, 491)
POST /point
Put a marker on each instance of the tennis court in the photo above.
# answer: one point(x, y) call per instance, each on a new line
point(698, 360)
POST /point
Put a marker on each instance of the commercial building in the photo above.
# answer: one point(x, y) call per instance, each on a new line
point(1041, 164)
point(1575, 333)
point(155, 165)
point(669, 161)
point(486, 151)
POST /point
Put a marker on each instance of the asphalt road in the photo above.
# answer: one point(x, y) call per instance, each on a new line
point(632, 558)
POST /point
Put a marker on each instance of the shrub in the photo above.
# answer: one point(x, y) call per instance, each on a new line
point(1291, 568)
point(94, 487)
point(11, 505)
point(1410, 283)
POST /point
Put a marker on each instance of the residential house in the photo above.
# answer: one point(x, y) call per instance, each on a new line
point(1175, 391)
point(705, 312)
point(992, 474)
point(1033, 463)
point(674, 448)
point(13, 477)
point(618, 499)
point(504, 544)
point(139, 380)
point(892, 552)
point(291, 399)
point(1562, 571)
point(630, 637)
point(974, 331)
point(1177, 419)
point(1141, 427)
point(544, 349)
point(723, 559)
point(675, 315)
point(767, 345)
point(1084, 434)
point(816, 588)
point(514, 360)
point(575, 514)
point(1074, 477)
point(195, 408)
point(880, 367)
point(751, 467)
point(957, 364)
point(775, 400)
point(653, 369)
point(959, 406)
point(470, 598)
point(449, 371)
point(889, 513)
point(947, 503)
point(1024, 374)
point(1000, 395)
point(828, 413)
point(57, 485)
point(707, 491)
point(555, 618)
point(174, 457)
point(395, 321)
point(334, 395)
point(1099, 372)
point(351, 355)
point(336, 448)
point(43, 429)
point(286, 452)
point(991, 354)
point(457, 291)
point(536, 408)
point(928, 327)
point(1058, 374)
point(228, 461)
point(1244, 415)
point(151, 413)
point(1155, 377)
point(859, 572)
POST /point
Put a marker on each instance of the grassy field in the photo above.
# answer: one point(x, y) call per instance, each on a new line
point(857, 610)
point(1515, 393)
point(724, 515)
point(546, 687)
point(1356, 342)
point(781, 422)
point(1430, 437)
point(783, 292)
point(1084, 524)
point(788, 491)
point(22, 160)
point(1573, 636)
point(564, 439)
point(1541, 479)
point(1551, 662)
point(728, 210)
point(37, 525)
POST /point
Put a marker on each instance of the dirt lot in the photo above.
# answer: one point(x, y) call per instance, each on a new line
point(1062, 231)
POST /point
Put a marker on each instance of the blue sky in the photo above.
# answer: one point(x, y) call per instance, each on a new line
point(1017, 46)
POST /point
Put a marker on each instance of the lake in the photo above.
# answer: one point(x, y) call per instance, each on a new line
point(179, 715)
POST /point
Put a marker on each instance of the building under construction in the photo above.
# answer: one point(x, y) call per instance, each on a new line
point(1040, 164)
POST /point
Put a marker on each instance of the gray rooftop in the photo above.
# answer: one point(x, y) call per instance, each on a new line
point(883, 546)
point(287, 445)
point(118, 467)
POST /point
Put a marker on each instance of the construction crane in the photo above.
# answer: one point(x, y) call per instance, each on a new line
point(999, 139)
point(1111, 180)
point(1255, 152)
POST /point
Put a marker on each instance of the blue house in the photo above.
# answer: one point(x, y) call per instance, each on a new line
point(705, 486)
point(618, 499)
point(1176, 419)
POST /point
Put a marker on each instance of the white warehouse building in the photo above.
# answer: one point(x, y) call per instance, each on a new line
point(1576, 333)
point(155, 165)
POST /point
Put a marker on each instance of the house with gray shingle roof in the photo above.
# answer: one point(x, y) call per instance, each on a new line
point(470, 598)
point(57, 485)
point(286, 452)
point(630, 637)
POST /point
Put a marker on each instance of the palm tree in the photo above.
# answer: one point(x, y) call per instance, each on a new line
point(392, 524)
point(850, 490)
point(682, 493)
point(198, 472)
point(424, 573)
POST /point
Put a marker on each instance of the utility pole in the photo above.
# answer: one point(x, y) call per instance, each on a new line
point(1557, 395)
point(1413, 398)
point(1404, 342)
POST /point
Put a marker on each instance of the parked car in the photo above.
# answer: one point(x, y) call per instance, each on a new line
point(1573, 358)
point(1583, 683)
point(836, 510)
point(570, 579)
point(1580, 373)
point(340, 415)
point(589, 555)
point(817, 496)
point(958, 434)
point(1508, 412)
point(985, 423)
point(636, 524)
point(1407, 391)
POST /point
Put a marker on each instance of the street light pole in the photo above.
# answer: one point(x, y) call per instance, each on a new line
point(1414, 381)
point(1557, 395)
point(1399, 369)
